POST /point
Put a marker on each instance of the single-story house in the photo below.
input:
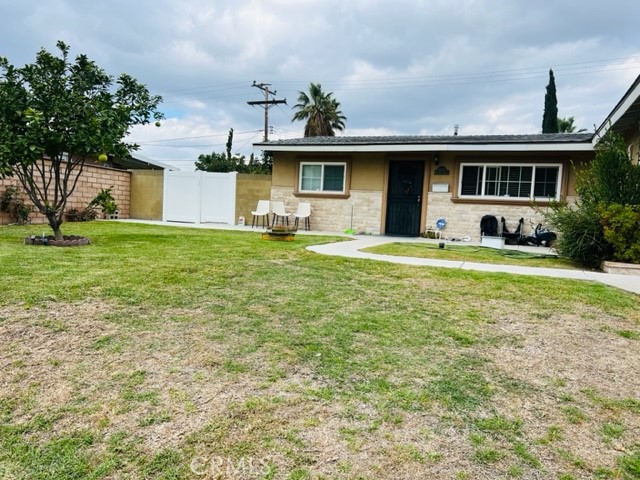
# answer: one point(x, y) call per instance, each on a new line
point(404, 185)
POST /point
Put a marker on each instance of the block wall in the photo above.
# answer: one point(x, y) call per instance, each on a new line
point(92, 180)
point(147, 188)
point(249, 189)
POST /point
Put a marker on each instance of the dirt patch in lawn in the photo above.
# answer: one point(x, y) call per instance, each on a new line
point(181, 379)
point(583, 377)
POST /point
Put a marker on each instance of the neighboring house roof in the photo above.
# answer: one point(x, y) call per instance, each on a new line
point(140, 162)
point(424, 143)
point(625, 115)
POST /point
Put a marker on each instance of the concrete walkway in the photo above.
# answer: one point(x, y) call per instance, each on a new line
point(352, 249)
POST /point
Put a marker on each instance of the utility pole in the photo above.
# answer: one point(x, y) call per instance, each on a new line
point(266, 104)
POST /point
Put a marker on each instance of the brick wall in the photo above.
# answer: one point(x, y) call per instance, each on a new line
point(334, 214)
point(92, 180)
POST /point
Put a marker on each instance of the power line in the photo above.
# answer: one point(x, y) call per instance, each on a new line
point(198, 136)
point(412, 81)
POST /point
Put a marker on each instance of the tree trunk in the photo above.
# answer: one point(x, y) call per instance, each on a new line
point(54, 223)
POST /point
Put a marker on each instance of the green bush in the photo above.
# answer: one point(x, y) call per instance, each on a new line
point(621, 226)
point(581, 237)
point(105, 201)
point(608, 180)
point(14, 204)
point(610, 177)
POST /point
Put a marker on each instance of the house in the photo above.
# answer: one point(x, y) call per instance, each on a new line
point(404, 185)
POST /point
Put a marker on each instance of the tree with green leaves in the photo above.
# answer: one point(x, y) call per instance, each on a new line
point(226, 162)
point(550, 116)
point(321, 112)
point(566, 125)
point(55, 114)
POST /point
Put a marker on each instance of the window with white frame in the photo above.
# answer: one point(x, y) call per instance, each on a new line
point(521, 181)
point(322, 177)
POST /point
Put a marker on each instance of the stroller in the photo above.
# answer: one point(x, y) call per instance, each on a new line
point(541, 237)
point(489, 226)
point(515, 237)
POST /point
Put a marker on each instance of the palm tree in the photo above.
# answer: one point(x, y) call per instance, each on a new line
point(565, 125)
point(321, 112)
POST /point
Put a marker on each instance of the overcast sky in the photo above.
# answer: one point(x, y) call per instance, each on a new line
point(397, 67)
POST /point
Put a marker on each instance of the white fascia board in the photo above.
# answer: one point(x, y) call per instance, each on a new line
point(500, 147)
point(616, 114)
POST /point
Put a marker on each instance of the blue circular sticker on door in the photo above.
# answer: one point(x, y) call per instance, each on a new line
point(441, 223)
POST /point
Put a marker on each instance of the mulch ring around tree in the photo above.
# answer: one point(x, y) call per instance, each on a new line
point(50, 240)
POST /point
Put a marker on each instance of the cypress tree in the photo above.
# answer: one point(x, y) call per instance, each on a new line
point(550, 116)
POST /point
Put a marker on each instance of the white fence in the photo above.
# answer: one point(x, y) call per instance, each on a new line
point(196, 197)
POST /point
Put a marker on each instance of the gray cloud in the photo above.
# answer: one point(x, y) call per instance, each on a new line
point(396, 66)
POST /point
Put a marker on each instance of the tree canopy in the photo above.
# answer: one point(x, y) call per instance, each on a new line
point(550, 116)
point(321, 112)
point(55, 114)
point(227, 162)
point(566, 125)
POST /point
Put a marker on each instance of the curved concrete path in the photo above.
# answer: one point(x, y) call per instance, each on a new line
point(352, 249)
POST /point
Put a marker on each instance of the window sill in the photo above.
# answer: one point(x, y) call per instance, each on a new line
point(321, 195)
point(499, 201)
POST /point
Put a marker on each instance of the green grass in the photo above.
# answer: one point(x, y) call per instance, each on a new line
point(155, 346)
point(467, 253)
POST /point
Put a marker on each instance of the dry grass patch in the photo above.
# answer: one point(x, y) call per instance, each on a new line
point(348, 369)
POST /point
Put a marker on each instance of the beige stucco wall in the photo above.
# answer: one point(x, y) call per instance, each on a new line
point(368, 172)
point(91, 181)
point(249, 189)
point(284, 170)
point(147, 188)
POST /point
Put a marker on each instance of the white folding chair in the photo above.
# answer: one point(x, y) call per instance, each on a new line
point(279, 212)
point(304, 211)
point(262, 210)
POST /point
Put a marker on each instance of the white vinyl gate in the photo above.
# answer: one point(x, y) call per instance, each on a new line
point(196, 197)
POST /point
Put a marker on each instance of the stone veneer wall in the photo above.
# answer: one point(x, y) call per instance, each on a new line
point(92, 180)
point(463, 219)
point(334, 215)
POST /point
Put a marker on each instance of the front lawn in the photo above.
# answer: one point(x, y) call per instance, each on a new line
point(170, 353)
point(468, 253)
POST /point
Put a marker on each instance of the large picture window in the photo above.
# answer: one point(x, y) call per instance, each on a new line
point(526, 182)
point(322, 177)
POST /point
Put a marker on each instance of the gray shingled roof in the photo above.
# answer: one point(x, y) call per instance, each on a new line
point(563, 138)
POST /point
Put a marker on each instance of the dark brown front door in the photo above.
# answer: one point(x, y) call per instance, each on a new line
point(404, 198)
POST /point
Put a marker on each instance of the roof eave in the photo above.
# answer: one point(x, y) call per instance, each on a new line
point(156, 163)
point(432, 147)
point(627, 100)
